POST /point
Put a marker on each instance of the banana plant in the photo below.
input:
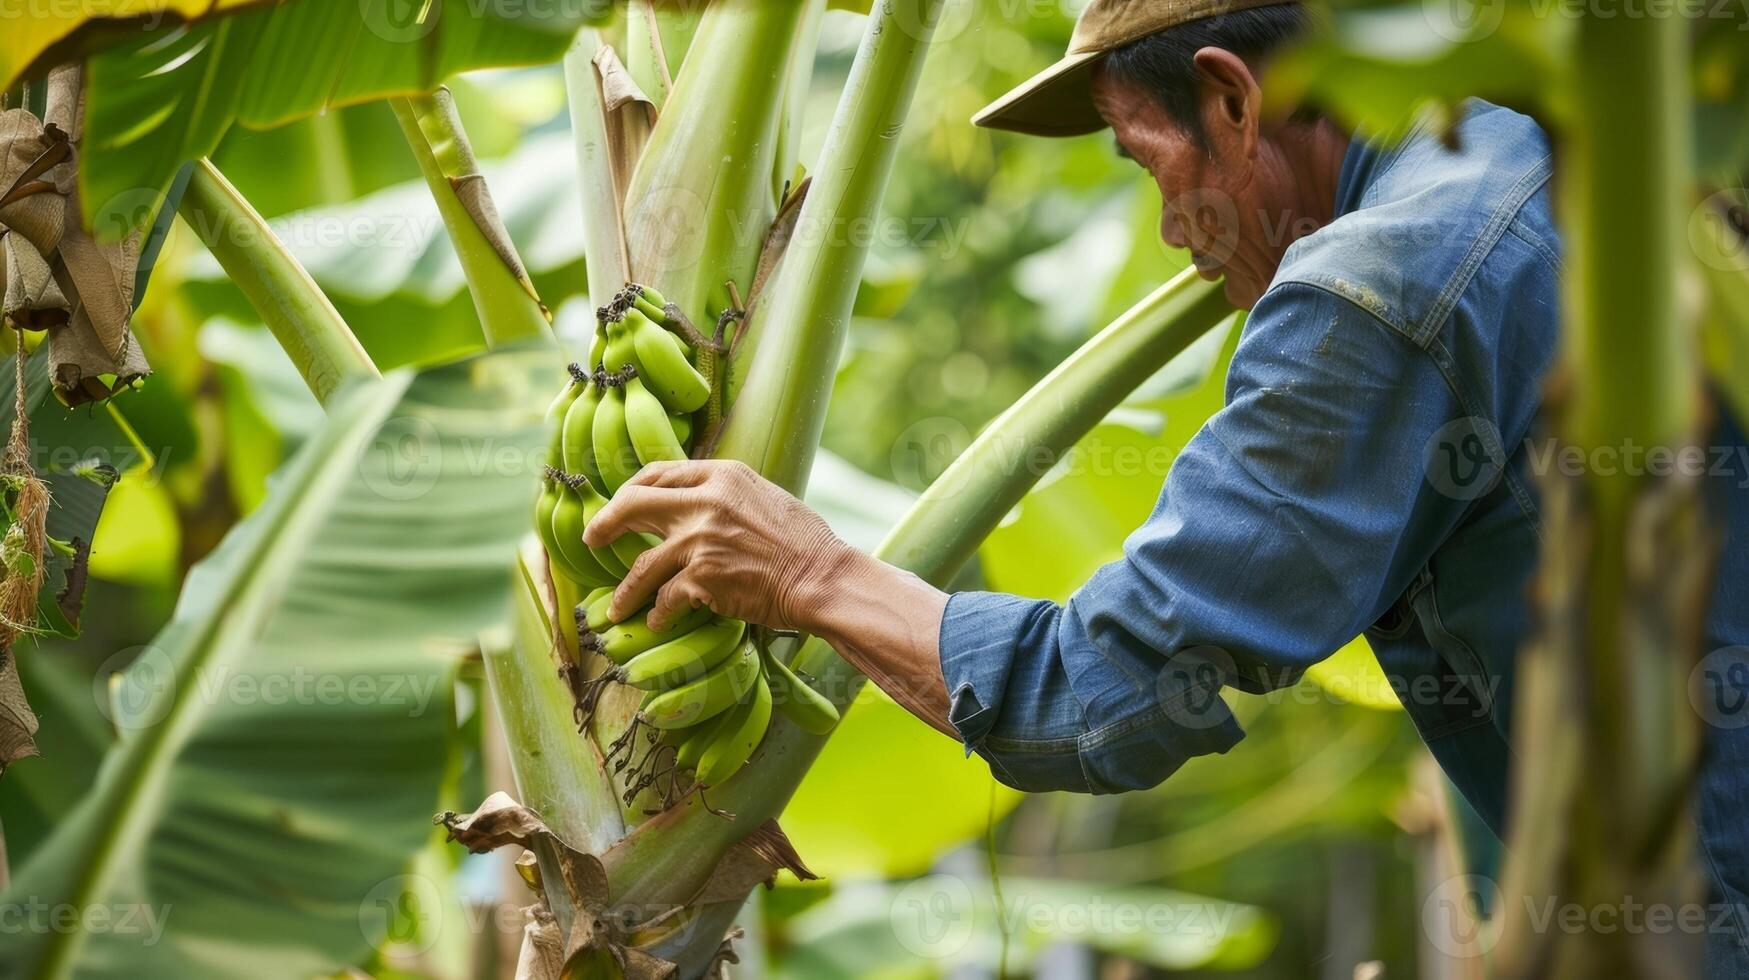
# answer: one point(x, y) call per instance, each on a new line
point(687, 189)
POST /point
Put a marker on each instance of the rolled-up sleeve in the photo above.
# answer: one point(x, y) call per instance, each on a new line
point(1280, 527)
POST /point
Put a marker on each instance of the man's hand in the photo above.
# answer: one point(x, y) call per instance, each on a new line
point(741, 545)
point(732, 541)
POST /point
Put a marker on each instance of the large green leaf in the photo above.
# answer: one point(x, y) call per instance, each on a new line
point(284, 740)
point(166, 96)
point(74, 27)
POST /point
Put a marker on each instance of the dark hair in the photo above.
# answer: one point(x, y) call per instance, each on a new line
point(1164, 64)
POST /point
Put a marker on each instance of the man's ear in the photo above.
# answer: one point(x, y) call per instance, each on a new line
point(1231, 103)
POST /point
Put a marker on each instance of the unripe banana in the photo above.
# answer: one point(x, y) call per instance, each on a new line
point(682, 659)
point(624, 642)
point(544, 504)
point(579, 433)
point(695, 740)
point(650, 310)
point(665, 370)
point(649, 425)
point(620, 350)
point(649, 293)
point(556, 419)
point(595, 610)
point(567, 527)
point(708, 696)
point(733, 744)
point(811, 711)
point(597, 599)
point(681, 423)
point(614, 455)
point(618, 556)
point(598, 346)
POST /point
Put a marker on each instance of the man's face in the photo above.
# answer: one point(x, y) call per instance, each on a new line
point(1213, 204)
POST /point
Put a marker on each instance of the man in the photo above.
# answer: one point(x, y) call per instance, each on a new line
point(1370, 471)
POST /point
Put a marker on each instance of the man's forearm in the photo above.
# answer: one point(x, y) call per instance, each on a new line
point(887, 623)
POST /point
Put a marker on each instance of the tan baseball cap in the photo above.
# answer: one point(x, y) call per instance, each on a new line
point(1059, 100)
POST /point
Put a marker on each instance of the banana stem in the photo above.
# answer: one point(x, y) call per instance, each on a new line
point(296, 311)
point(504, 297)
point(797, 334)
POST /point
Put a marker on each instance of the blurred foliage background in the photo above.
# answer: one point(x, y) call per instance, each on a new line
point(1309, 844)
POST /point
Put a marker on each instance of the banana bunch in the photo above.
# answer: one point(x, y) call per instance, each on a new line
point(710, 689)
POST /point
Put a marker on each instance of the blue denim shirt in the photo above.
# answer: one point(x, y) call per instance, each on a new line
point(1370, 472)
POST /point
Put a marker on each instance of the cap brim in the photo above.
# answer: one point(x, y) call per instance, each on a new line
point(1056, 102)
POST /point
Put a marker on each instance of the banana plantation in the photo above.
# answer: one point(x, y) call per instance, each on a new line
point(332, 330)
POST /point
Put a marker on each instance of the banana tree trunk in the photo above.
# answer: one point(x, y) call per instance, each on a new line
point(1601, 814)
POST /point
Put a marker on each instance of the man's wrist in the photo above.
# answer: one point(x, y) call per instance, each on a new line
point(834, 590)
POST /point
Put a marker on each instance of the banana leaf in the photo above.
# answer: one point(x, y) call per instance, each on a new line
point(165, 96)
point(284, 741)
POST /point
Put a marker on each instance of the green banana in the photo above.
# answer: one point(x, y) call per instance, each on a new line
point(708, 696)
point(595, 610)
point(597, 599)
point(650, 426)
point(651, 311)
point(544, 504)
point(593, 501)
point(620, 349)
point(732, 744)
point(567, 529)
point(578, 444)
point(681, 423)
point(665, 370)
point(614, 455)
point(625, 549)
point(621, 642)
point(556, 416)
point(811, 711)
point(694, 741)
point(682, 659)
